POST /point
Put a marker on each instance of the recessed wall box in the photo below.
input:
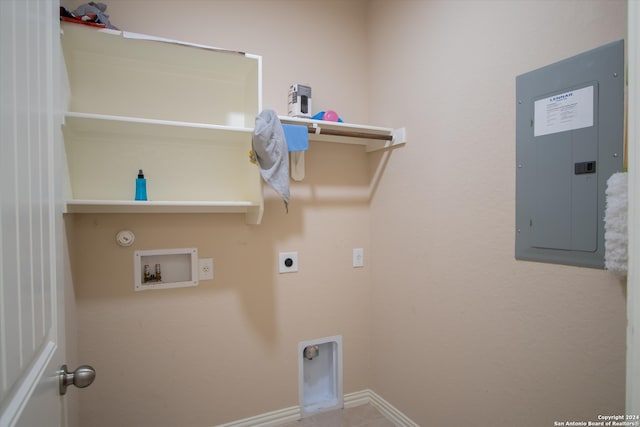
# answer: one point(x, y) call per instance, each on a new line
point(165, 268)
point(320, 378)
point(569, 141)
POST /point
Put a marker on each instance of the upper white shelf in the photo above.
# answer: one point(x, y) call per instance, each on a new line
point(103, 124)
point(372, 137)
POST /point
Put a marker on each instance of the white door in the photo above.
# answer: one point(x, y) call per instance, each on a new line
point(31, 299)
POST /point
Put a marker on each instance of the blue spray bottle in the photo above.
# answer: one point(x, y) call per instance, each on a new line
point(141, 186)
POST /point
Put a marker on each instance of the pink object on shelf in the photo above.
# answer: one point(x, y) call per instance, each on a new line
point(330, 116)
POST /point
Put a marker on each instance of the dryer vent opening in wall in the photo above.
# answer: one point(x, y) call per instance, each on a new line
point(320, 375)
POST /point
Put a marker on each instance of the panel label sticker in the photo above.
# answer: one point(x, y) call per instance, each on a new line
point(564, 111)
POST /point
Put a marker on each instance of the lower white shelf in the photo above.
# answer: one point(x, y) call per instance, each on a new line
point(189, 167)
point(251, 209)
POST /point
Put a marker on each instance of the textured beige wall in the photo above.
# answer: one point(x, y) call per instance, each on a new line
point(227, 349)
point(461, 332)
point(471, 336)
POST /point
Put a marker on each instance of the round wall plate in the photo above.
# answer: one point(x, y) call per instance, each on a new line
point(125, 238)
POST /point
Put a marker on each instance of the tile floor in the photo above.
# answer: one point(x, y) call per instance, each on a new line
point(359, 416)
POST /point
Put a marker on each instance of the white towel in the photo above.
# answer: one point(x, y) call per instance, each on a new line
point(615, 224)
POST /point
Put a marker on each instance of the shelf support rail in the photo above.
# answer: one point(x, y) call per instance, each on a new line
point(396, 137)
point(319, 130)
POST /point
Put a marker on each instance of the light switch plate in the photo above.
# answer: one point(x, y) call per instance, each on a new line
point(358, 257)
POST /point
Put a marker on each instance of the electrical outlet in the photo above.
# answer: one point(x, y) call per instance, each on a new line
point(358, 257)
point(288, 262)
point(205, 269)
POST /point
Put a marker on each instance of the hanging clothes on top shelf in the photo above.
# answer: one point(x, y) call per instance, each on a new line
point(271, 153)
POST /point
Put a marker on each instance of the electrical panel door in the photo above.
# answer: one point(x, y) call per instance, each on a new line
point(569, 141)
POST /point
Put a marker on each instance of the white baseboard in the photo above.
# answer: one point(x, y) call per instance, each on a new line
point(351, 400)
point(357, 398)
point(390, 412)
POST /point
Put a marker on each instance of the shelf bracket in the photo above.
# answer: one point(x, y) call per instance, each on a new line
point(399, 137)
